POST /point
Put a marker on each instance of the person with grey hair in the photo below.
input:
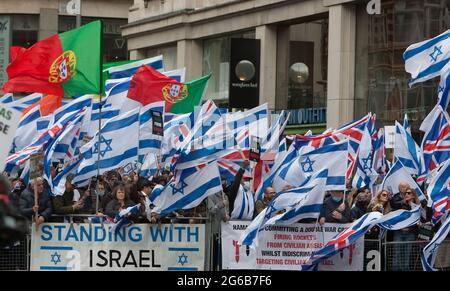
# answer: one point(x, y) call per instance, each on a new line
point(44, 204)
point(397, 201)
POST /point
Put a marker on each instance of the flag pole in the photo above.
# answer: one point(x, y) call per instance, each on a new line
point(100, 113)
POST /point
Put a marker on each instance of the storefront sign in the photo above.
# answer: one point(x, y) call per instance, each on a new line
point(307, 116)
point(89, 247)
point(287, 247)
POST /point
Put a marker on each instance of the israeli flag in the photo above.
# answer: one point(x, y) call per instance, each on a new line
point(31, 126)
point(365, 174)
point(149, 165)
point(280, 163)
point(426, 59)
point(301, 202)
point(398, 174)
point(431, 249)
point(332, 157)
point(244, 205)
point(407, 151)
point(7, 98)
point(58, 184)
point(117, 144)
point(25, 102)
point(444, 88)
point(400, 219)
point(128, 70)
point(190, 191)
point(122, 219)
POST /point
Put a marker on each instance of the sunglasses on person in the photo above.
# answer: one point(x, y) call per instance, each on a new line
point(409, 192)
point(384, 195)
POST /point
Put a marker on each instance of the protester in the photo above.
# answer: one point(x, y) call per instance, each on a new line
point(260, 205)
point(68, 203)
point(120, 202)
point(381, 202)
point(359, 208)
point(335, 209)
point(28, 208)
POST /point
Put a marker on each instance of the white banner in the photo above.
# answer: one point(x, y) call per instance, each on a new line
point(9, 120)
point(89, 247)
point(287, 247)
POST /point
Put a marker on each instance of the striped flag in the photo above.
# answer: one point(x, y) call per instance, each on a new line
point(117, 146)
point(439, 192)
point(407, 151)
point(426, 59)
point(398, 174)
point(431, 249)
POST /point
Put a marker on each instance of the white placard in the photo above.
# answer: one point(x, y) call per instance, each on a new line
point(288, 247)
point(389, 136)
point(9, 120)
point(89, 247)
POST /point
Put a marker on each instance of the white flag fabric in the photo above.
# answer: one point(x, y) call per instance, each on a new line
point(193, 187)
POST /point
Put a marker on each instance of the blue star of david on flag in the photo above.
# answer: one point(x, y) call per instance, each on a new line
point(106, 148)
point(56, 258)
point(180, 189)
point(307, 165)
point(441, 89)
point(271, 210)
point(437, 52)
point(367, 162)
point(183, 259)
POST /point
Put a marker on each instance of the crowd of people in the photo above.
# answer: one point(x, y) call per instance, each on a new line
point(107, 195)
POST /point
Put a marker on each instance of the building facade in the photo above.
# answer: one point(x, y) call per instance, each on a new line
point(328, 61)
point(23, 23)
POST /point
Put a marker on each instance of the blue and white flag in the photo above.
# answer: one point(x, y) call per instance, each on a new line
point(122, 219)
point(128, 70)
point(58, 183)
point(280, 202)
point(407, 151)
point(426, 59)
point(379, 155)
point(244, 205)
point(398, 174)
point(439, 192)
point(431, 249)
point(365, 175)
point(280, 163)
point(444, 88)
point(343, 239)
point(7, 98)
point(118, 146)
point(308, 206)
point(406, 125)
point(149, 165)
point(149, 142)
point(332, 157)
point(400, 219)
point(25, 102)
point(31, 125)
point(190, 191)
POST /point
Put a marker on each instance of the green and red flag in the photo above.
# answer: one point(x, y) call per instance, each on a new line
point(66, 64)
point(148, 86)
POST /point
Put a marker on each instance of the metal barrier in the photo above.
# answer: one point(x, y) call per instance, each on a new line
point(16, 257)
point(392, 255)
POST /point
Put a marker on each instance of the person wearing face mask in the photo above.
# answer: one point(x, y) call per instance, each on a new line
point(335, 209)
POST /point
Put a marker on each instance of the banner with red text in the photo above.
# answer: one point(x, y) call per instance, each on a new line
point(287, 247)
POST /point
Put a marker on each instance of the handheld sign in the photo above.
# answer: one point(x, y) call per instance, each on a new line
point(157, 123)
point(9, 120)
point(389, 134)
point(37, 165)
point(255, 150)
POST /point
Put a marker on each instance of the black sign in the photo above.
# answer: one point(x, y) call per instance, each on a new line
point(158, 123)
point(255, 149)
point(244, 73)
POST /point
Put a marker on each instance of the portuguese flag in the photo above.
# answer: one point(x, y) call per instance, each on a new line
point(148, 86)
point(66, 64)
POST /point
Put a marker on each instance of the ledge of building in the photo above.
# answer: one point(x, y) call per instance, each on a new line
point(328, 3)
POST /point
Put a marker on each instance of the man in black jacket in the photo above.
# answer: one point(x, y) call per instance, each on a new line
point(397, 201)
point(335, 209)
point(27, 202)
